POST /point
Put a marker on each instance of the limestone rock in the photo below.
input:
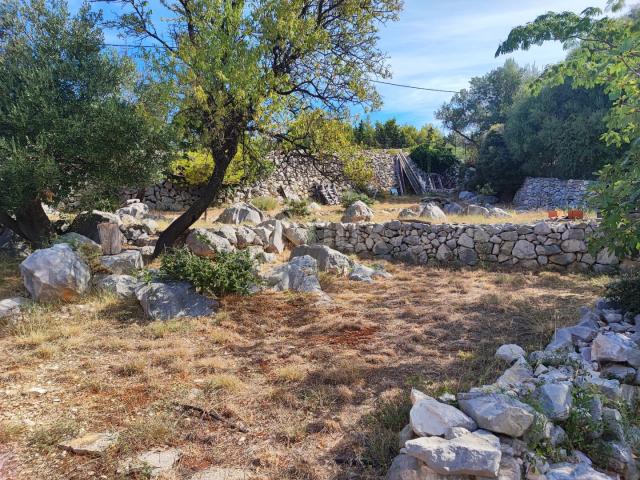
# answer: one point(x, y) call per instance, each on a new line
point(574, 471)
point(328, 259)
point(362, 273)
point(478, 210)
point(430, 417)
point(274, 241)
point(124, 286)
point(91, 443)
point(56, 273)
point(555, 400)
point(219, 473)
point(433, 211)
point(357, 212)
point(299, 274)
point(453, 208)
point(165, 301)
point(615, 347)
point(241, 213)
point(11, 306)
point(406, 467)
point(524, 249)
point(497, 412)
point(296, 235)
point(86, 223)
point(154, 462)
point(204, 243)
point(469, 454)
point(518, 373)
point(123, 263)
point(137, 210)
point(510, 352)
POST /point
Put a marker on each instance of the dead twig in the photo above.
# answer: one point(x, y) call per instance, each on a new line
point(210, 415)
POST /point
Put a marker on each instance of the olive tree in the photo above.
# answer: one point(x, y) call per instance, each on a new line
point(243, 68)
point(72, 115)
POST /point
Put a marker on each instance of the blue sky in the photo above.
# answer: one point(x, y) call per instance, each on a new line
point(442, 44)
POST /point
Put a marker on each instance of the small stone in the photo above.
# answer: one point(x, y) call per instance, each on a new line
point(497, 412)
point(510, 353)
point(555, 400)
point(430, 417)
point(91, 443)
point(124, 263)
point(11, 306)
point(219, 473)
point(154, 462)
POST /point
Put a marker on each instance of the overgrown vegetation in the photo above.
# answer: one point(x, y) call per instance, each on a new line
point(625, 291)
point(350, 197)
point(266, 204)
point(297, 208)
point(230, 272)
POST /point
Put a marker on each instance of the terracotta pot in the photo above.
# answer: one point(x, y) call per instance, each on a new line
point(575, 214)
point(553, 213)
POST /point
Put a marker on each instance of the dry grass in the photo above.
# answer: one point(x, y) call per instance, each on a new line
point(321, 391)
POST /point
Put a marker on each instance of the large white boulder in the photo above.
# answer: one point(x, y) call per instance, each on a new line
point(430, 417)
point(433, 211)
point(241, 213)
point(164, 301)
point(497, 412)
point(468, 454)
point(357, 212)
point(204, 243)
point(56, 273)
point(137, 210)
point(329, 260)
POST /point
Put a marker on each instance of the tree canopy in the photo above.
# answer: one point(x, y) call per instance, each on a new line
point(244, 68)
point(606, 55)
point(72, 115)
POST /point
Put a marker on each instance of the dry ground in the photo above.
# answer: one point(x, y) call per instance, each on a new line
point(318, 392)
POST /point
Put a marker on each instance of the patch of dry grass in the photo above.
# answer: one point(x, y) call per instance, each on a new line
point(310, 383)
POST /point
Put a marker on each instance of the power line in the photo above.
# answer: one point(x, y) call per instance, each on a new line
point(374, 81)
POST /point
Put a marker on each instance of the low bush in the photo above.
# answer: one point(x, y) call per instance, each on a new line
point(626, 292)
point(297, 208)
point(351, 197)
point(266, 204)
point(233, 272)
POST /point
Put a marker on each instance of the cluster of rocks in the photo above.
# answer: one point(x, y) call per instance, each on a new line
point(290, 178)
point(438, 209)
point(581, 385)
point(540, 192)
point(556, 245)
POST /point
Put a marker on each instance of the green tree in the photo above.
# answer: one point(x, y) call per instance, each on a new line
point(434, 155)
point(606, 54)
point(71, 114)
point(495, 166)
point(557, 133)
point(243, 67)
point(364, 134)
point(472, 111)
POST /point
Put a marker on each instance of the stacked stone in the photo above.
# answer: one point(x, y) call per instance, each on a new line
point(557, 245)
point(290, 179)
point(588, 374)
point(539, 192)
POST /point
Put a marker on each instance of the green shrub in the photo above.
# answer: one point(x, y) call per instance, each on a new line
point(297, 208)
point(351, 197)
point(435, 157)
point(232, 272)
point(265, 203)
point(626, 292)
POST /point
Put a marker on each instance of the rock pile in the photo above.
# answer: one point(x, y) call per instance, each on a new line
point(581, 391)
point(557, 245)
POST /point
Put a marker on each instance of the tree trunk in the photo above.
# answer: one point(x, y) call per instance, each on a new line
point(193, 213)
point(110, 238)
point(30, 222)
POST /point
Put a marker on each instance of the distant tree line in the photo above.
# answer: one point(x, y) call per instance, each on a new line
point(390, 134)
point(513, 133)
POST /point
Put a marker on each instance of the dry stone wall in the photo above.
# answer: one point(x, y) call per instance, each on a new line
point(539, 192)
point(557, 245)
point(289, 179)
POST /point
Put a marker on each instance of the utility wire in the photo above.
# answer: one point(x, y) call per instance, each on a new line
point(413, 87)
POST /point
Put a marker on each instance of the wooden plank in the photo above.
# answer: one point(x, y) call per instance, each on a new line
point(110, 238)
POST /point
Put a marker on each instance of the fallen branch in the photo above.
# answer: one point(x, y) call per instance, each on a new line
point(210, 415)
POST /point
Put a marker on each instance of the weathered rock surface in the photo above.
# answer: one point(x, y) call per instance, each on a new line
point(152, 463)
point(123, 263)
point(93, 443)
point(433, 211)
point(56, 273)
point(615, 347)
point(205, 243)
point(241, 213)
point(164, 301)
point(357, 212)
point(328, 259)
point(219, 473)
point(430, 417)
point(299, 274)
point(11, 306)
point(574, 471)
point(362, 273)
point(124, 286)
point(555, 399)
point(468, 454)
point(510, 353)
point(497, 412)
point(406, 467)
point(86, 223)
point(137, 210)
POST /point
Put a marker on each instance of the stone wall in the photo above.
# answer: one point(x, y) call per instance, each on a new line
point(539, 192)
point(557, 245)
point(289, 179)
